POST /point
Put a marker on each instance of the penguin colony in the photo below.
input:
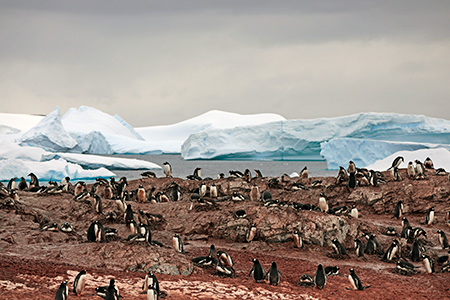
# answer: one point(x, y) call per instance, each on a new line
point(208, 195)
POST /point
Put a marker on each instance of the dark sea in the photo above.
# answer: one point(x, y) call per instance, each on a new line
point(211, 168)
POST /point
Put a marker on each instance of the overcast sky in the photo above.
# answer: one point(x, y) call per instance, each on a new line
point(161, 62)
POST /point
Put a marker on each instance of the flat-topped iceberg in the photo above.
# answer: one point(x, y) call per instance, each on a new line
point(301, 139)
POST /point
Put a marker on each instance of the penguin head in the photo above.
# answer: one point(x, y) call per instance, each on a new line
point(351, 270)
point(322, 195)
point(83, 272)
point(255, 260)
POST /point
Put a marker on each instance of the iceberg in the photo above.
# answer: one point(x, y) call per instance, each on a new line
point(19, 122)
point(169, 138)
point(49, 134)
point(54, 170)
point(302, 139)
point(363, 152)
point(93, 143)
point(440, 158)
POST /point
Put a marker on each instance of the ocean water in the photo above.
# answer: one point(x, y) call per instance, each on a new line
point(211, 168)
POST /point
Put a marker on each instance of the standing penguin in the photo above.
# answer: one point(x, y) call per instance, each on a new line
point(257, 270)
point(150, 280)
point(247, 175)
point(428, 163)
point(11, 184)
point(396, 174)
point(213, 191)
point(355, 282)
point(373, 179)
point(22, 184)
point(420, 170)
point(415, 252)
point(112, 293)
point(428, 263)
point(430, 216)
point(141, 194)
point(34, 183)
point(391, 251)
point(342, 175)
point(152, 293)
point(251, 233)
point(298, 242)
point(338, 247)
point(351, 181)
point(304, 173)
point(359, 248)
point(398, 210)
point(79, 283)
point(177, 243)
point(372, 245)
point(411, 171)
point(98, 204)
point(258, 173)
point(225, 258)
point(273, 275)
point(320, 277)
point(167, 169)
point(396, 163)
point(96, 232)
point(129, 215)
point(202, 189)
point(443, 239)
point(254, 193)
point(323, 205)
point(63, 291)
point(354, 212)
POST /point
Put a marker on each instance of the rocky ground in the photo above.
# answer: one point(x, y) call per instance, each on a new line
point(33, 262)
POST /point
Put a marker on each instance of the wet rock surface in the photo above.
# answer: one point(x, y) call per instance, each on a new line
point(33, 262)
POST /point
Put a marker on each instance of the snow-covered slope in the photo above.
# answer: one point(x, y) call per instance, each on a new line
point(440, 158)
point(301, 139)
point(171, 137)
point(362, 152)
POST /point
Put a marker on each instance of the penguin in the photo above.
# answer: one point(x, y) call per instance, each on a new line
point(396, 163)
point(150, 280)
point(220, 176)
point(351, 167)
point(338, 247)
point(342, 176)
point(112, 293)
point(129, 215)
point(221, 268)
point(405, 222)
point(304, 173)
point(98, 204)
point(428, 163)
point(110, 231)
point(95, 188)
point(391, 251)
point(398, 210)
point(441, 172)
point(373, 179)
point(306, 280)
point(265, 195)
point(355, 281)
point(258, 174)
point(320, 278)
point(63, 291)
point(177, 243)
point(107, 192)
point(162, 197)
point(22, 184)
point(362, 180)
point(225, 258)
point(96, 232)
point(428, 263)
point(371, 245)
point(65, 183)
point(273, 275)
point(411, 170)
point(298, 186)
point(240, 214)
point(152, 293)
point(66, 227)
point(407, 233)
point(236, 174)
point(202, 189)
point(150, 197)
point(354, 212)
point(359, 248)
point(418, 232)
point(443, 239)
point(257, 271)
point(396, 174)
point(251, 233)
point(315, 183)
point(79, 188)
point(50, 227)
point(11, 184)
point(203, 260)
point(197, 172)
point(235, 196)
point(415, 252)
point(175, 192)
point(213, 191)
point(338, 210)
point(323, 205)
point(298, 242)
point(390, 231)
point(420, 170)
point(141, 194)
point(405, 266)
point(34, 183)
point(167, 169)
point(254, 193)
point(351, 183)
point(430, 216)
point(247, 175)
point(148, 174)
point(79, 283)
point(83, 196)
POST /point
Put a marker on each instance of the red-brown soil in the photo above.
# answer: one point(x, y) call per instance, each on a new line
point(33, 263)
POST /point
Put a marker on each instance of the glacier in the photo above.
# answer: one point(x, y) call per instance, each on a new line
point(364, 152)
point(302, 139)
